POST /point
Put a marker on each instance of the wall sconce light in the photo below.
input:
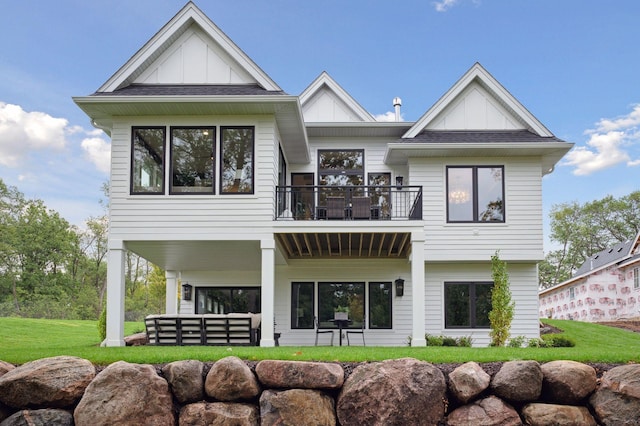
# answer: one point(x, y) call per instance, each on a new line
point(186, 291)
point(399, 182)
point(399, 287)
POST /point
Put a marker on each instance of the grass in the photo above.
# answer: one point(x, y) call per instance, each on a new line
point(24, 339)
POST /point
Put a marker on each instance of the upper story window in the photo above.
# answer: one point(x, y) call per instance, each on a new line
point(192, 155)
point(475, 194)
point(147, 165)
point(341, 167)
point(236, 159)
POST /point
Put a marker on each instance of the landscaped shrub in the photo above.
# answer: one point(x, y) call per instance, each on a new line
point(449, 341)
point(465, 341)
point(502, 307)
point(536, 343)
point(102, 324)
point(558, 341)
point(434, 340)
point(516, 342)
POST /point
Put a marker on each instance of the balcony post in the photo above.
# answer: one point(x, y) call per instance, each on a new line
point(418, 289)
point(268, 248)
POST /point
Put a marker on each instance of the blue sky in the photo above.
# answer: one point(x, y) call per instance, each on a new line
point(573, 63)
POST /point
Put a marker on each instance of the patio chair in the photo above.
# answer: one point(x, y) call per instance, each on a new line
point(335, 207)
point(318, 331)
point(356, 331)
point(361, 208)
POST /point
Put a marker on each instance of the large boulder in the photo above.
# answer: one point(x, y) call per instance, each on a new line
point(394, 392)
point(54, 416)
point(617, 399)
point(185, 379)
point(5, 367)
point(567, 382)
point(297, 407)
point(300, 374)
point(57, 382)
point(230, 379)
point(558, 415)
point(518, 381)
point(490, 411)
point(126, 394)
point(468, 381)
point(219, 414)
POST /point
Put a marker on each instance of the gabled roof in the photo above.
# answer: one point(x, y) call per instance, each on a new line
point(324, 100)
point(620, 254)
point(164, 39)
point(479, 77)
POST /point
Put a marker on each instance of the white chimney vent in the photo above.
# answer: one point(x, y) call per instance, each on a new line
point(397, 103)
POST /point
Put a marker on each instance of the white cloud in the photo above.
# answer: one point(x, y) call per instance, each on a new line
point(444, 5)
point(387, 116)
point(98, 151)
point(22, 132)
point(608, 145)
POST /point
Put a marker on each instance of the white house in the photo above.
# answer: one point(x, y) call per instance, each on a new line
point(294, 206)
point(606, 287)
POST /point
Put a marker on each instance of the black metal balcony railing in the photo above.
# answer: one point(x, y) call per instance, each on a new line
point(348, 203)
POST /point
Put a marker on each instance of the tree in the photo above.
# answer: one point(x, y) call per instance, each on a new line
point(581, 230)
point(502, 307)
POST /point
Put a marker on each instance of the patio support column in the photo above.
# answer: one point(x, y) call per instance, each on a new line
point(115, 294)
point(268, 247)
point(418, 290)
point(171, 297)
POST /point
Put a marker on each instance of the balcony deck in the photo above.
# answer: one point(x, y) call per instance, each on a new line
point(348, 203)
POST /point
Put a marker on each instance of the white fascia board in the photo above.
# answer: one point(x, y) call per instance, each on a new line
point(477, 71)
point(182, 20)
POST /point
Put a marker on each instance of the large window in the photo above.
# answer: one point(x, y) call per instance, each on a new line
point(147, 160)
point(302, 302)
point(236, 158)
point(192, 155)
point(341, 168)
point(224, 300)
point(380, 305)
point(467, 304)
point(475, 194)
point(636, 278)
point(334, 297)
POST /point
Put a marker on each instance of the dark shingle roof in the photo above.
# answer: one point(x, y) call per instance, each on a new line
point(477, 136)
point(616, 253)
point(190, 90)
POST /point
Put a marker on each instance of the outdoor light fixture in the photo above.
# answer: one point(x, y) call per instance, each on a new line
point(399, 287)
point(399, 182)
point(186, 291)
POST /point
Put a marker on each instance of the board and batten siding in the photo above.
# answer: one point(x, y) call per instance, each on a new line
point(519, 238)
point(523, 278)
point(198, 217)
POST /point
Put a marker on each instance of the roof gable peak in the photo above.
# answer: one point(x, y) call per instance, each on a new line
point(477, 101)
point(324, 100)
point(192, 31)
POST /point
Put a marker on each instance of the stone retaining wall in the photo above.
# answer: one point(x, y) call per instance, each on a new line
point(67, 390)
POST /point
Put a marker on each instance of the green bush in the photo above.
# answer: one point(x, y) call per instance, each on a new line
point(516, 342)
point(465, 341)
point(449, 341)
point(558, 341)
point(434, 340)
point(536, 343)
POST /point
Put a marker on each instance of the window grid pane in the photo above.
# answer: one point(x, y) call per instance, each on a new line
point(334, 296)
point(237, 160)
point(302, 305)
point(380, 305)
point(192, 153)
point(147, 168)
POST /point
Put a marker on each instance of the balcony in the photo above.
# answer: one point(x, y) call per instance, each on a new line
point(373, 203)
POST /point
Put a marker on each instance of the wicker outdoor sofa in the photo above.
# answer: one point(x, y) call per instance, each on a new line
point(233, 329)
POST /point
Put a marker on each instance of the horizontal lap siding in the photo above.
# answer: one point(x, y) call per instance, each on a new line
point(520, 238)
point(524, 290)
point(344, 270)
point(192, 216)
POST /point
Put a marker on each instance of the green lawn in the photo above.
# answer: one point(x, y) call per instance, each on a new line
point(23, 340)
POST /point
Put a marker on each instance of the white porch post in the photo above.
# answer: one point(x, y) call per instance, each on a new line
point(115, 294)
point(417, 287)
point(171, 297)
point(268, 247)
